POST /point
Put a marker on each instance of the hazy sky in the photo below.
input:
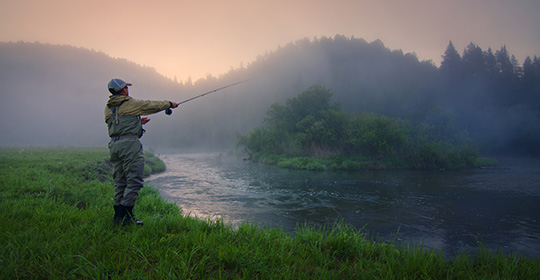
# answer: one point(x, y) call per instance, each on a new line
point(193, 38)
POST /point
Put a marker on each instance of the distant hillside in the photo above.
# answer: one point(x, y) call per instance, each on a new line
point(484, 92)
point(55, 95)
point(363, 76)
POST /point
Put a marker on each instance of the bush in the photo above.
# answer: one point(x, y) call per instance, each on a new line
point(315, 164)
point(305, 163)
point(350, 165)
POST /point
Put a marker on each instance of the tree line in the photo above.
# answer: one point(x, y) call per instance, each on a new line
point(493, 96)
point(485, 93)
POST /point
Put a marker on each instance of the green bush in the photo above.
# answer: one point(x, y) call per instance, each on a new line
point(315, 164)
point(350, 165)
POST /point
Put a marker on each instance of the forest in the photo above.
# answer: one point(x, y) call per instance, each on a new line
point(493, 97)
point(487, 95)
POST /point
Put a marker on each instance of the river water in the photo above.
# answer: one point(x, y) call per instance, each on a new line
point(449, 210)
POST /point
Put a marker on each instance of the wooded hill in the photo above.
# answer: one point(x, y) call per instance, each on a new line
point(483, 92)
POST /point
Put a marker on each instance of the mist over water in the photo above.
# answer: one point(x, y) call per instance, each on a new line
point(449, 210)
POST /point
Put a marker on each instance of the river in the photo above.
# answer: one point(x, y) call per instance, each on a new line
point(449, 210)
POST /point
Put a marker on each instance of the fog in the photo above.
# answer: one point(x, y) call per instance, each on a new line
point(55, 95)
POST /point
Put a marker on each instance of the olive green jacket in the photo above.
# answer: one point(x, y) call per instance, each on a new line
point(122, 114)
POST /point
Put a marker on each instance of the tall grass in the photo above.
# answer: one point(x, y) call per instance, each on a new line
point(56, 223)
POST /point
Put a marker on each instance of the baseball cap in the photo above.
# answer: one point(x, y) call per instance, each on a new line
point(116, 85)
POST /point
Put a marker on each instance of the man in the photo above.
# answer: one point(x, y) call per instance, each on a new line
point(123, 118)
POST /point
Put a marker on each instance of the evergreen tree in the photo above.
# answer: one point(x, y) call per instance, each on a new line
point(451, 64)
point(507, 89)
point(528, 69)
point(531, 71)
point(474, 63)
point(505, 65)
point(530, 81)
point(491, 64)
point(518, 71)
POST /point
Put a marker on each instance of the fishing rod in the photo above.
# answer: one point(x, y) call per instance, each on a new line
point(169, 111)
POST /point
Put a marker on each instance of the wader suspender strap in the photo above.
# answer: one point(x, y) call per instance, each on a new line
point(115, 110)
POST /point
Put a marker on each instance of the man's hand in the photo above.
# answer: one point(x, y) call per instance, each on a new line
point(145, 120)
point(168, 112)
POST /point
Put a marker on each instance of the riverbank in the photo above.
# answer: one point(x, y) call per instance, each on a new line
point(57, 223)
point(354, 163)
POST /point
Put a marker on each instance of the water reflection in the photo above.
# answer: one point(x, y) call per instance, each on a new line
point(450, 210)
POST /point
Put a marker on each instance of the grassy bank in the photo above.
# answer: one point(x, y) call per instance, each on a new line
point(352, 162)
point(56, 223)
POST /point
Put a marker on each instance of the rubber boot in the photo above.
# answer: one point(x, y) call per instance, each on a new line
point(119, 214)
point(129, 218)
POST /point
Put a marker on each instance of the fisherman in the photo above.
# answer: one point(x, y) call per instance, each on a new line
point(123, 118)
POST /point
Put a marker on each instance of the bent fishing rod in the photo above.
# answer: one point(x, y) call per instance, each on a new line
point(169, 111)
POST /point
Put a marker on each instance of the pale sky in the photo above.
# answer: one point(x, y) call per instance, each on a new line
point(193, 38)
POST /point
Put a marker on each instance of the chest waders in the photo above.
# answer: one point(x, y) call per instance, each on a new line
point(127, 159)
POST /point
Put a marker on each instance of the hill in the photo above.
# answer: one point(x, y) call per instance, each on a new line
point(54, 95)
point(363, 76)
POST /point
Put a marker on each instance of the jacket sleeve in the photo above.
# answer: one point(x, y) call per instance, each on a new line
point(143, 107)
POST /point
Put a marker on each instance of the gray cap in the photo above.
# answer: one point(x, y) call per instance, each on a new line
point(116, 85)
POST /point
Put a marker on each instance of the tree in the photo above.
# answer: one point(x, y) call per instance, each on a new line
point(531, 71)
point(376, 135)
point(473, 62)
point(505, 66)
point(508, 83)
point(491, 64)
point(306, 118)
point(451, 64)
point(311, 102)
point(530, 81)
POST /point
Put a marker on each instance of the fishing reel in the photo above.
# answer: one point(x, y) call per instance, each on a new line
point(168, 112)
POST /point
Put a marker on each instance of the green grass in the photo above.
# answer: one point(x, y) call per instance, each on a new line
point(152, 164)
point(56, 223)
point(357, 162)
